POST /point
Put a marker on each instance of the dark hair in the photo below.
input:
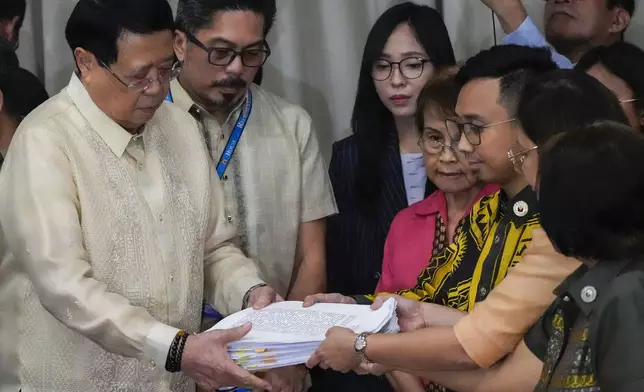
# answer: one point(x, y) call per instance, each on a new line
point(22, 92)
point(622, 59)
point(590, 192)
point(439, 96)
point(96, 25)
point(627, 5)
point(8, 57)
point(513, 65)
point(12, 8)
point(193, 15)
point(564, 100)
point(371, 122)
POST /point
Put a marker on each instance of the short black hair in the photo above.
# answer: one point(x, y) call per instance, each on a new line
point(626, 5)
point(96, 25)
point(513, 65)
point(22, 92)
point(564, 100)
point(8, 57)
point(622, 59)
point(193, 15)
point(12, 8)
point(590, 192)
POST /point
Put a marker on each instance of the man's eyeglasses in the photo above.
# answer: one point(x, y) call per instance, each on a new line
point(517, 158)
point(472, 132)
point(221, 56)
point(410, 68)
point(140, 85)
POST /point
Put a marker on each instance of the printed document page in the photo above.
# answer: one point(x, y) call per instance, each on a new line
point(289, 322)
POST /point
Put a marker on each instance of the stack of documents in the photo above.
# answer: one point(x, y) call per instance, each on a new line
point(286, 334)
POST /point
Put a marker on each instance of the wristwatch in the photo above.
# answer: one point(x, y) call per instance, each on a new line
point(361, 347)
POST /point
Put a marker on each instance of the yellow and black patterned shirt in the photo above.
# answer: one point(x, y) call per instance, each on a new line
point(493, 239)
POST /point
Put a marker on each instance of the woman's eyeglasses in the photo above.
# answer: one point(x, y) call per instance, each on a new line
point(517, 158)
point(410, 68)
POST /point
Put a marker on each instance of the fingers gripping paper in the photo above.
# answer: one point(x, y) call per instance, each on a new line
point(286, 334)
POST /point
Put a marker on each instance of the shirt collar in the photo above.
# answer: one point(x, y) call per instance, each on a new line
point(437, 203)
point(115, 136)
point(585, 285)
point(521, 208)
point(181, 97)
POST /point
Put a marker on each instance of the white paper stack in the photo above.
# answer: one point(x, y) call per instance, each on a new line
point(286, 334)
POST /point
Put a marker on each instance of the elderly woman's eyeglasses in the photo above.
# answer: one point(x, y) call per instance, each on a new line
point(221, 56)
point(410, 68)
point(433, 142)
point(472, 132)
point(139, 85)
point(517, 158)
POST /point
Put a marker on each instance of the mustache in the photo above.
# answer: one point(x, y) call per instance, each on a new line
point(230, 82)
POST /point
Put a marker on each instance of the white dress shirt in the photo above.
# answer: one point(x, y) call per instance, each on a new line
point(111, 242)
point(276, 180)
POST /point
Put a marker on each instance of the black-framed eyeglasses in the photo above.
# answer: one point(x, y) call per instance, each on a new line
point(472, 132)
point(517, 158)
point(140, 85)
point(433, 143)
point(222, 56)
point(410, 68)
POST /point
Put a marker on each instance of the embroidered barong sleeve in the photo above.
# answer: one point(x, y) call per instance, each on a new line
point(40, 216)
point(228, 273)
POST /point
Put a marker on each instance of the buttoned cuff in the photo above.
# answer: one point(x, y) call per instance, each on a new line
point(157, 345)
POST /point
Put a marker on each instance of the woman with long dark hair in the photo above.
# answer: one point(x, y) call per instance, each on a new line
point(378, 170)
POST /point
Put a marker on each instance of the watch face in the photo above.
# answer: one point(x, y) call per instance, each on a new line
point(361, 343)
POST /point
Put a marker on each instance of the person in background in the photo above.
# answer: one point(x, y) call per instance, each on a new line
point(572, 27)
point(12, 15)
point(277, 190)
point(114, 228)
point(619, 67)
point(20, 93)
point(379, 170)
point(551, 104)
point(424, 229)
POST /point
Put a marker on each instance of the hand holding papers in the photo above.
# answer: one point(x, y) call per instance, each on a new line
point(286, 334)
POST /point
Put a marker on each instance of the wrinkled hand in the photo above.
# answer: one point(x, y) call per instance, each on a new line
point(263, 296)
point(409, 312)
point(327, 298)
point(337, 351)
point(288, 379)
point(205, 360)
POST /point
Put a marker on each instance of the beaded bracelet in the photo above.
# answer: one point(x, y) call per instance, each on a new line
point(173, 361)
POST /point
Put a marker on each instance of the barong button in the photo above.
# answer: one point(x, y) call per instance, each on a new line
point(153, 364)
point(230, 219)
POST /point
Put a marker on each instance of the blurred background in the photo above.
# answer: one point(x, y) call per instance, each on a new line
point(316, 48)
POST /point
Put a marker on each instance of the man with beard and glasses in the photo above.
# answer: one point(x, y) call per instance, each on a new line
point(114, 230)
point(572, 27)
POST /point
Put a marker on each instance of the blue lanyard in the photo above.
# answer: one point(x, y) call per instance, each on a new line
point(236, 134)
point(224, 160)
